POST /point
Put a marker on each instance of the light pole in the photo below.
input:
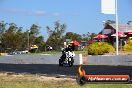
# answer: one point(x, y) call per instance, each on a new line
point(116, 15)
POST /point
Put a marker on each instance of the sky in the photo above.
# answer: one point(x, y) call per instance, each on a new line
point(80, 16)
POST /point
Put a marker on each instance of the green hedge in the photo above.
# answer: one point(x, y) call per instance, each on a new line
point(128, 46)
point(100, 48)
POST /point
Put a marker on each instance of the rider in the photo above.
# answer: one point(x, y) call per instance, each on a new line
point(68, 48)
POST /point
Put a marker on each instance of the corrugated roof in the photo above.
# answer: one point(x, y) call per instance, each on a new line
point(123, 27)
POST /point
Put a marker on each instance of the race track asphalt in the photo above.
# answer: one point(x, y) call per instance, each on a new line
point(55, 70)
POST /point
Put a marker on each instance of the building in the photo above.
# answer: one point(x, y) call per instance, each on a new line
point(110, 29)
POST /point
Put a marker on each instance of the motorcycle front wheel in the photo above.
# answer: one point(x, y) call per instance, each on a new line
point(71, 62)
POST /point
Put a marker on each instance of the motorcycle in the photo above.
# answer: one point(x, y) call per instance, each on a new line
point(67, 58)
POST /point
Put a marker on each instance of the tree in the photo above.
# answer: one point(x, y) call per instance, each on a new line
point(73, 36)
point(69, 35)
point(92, 35)
point(2, 27)
point(9, 38)
point(13, 38)
point(77, 37)
point(38, 40)
point(85, 37)
point(55, 35)
point(33, 32)
point(24, 44)
point(2, 30)
point(20, 39)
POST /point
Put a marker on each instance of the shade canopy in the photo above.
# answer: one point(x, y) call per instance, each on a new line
point(76, 43)
point(129, 32)
point(101, 36)
point(120, 34)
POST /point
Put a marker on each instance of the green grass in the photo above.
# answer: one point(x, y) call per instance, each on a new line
point(49, 52)
point(57, 52)
point(31, 81)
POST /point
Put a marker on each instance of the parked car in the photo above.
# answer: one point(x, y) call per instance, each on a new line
point(19, 52)
point(25, 52)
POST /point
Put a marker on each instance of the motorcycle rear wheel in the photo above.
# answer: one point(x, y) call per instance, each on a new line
point(60, 62)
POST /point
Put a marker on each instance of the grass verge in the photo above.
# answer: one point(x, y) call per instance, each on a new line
point(35, 81)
